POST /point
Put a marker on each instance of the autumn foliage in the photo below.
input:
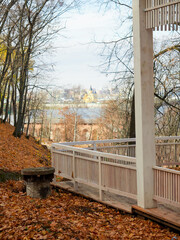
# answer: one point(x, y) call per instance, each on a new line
point(67, 216)
point(18, 153)
point(62, 215)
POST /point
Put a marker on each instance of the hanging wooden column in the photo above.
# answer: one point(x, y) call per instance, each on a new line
point(148, 15)
point(144, 104)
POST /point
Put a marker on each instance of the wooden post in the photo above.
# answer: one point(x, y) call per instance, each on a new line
point(94, 146)
point(53, 163)
point(100, 176)
point(74, 172)
point(144, 105)
point(175, 151)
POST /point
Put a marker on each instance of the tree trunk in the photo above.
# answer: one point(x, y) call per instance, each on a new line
point(18, 128)
point(7, 104)
point(28, 123)
point(75, 128)
point(34, 124)
point(132, 128)
point(14, 103)
point(41, 134)
point(2, 99)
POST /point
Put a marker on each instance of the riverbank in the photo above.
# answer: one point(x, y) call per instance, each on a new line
point(74, 105)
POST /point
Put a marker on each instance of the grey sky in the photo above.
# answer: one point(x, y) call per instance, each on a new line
point(75, 61)
point(76, 57)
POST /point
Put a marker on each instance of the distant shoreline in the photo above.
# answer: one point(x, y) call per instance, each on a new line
point(74, 105)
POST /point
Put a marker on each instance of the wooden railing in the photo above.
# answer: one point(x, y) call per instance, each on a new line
point(167, 148)
point(162, 15)
point(96, 166)
point(167, 186)
point(104, 171)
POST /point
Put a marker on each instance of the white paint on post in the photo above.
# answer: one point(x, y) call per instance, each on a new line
point(144, 105)
point(100, 178)
point(74, 172)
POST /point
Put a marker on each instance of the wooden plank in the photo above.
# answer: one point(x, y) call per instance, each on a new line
point(96, 153)
point(122, 206)
point(177, 15)
point(100, 179)
point(147, 26)
point(87, 171)
point(160, 215)
point(156, 14)
point(162, 15)
point(166, 190)
point(62, 153)
point(123, 140)
point(117, 146)
point(119, 165)
point(91, 184)
point(163, 216)
point(121, 193)
point(87, 158)
point(150, 8)
point(167, 170)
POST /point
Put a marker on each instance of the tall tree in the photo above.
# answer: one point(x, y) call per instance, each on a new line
point(118, 55)
point(26, 27)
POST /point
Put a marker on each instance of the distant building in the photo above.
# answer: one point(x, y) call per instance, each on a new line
point(90, 96)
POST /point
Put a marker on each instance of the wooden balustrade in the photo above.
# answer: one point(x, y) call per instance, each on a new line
point(161, 15)
point(167, 185)
point(104, 171)
point(167, 148)
point(103, 168)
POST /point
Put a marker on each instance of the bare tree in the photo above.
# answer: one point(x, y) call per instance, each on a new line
point(118, 62)
point(5, 7)
point(25, 29)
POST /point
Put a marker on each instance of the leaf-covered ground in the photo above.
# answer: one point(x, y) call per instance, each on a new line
point(62, 215)
point(67, 216)
point(19, 153)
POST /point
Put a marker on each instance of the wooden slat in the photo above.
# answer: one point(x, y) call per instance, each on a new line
point(165, 17)
point(156, 14)
point(163, 216)
point(110, 172)
point(119, 178)
point(178, 13)
point(147, 15)
point(115, 191)
point(167, 182)
point(162, 14)
point(168, 3)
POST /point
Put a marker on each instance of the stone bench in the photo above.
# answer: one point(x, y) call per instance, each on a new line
point(38, 181)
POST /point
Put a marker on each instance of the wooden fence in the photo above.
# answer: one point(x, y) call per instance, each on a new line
point(167, 148)
point(99, 165)
point(104, 171)
point(162, 15)
point(167, 186)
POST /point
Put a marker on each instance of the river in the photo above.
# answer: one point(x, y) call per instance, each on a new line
point(86, 113)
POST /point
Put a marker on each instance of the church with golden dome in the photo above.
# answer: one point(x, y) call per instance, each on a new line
point(90, 96)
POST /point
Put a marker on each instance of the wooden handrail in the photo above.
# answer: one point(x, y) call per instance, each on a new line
point(122, 140)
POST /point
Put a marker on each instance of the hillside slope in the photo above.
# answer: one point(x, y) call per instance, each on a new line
point(19, 153)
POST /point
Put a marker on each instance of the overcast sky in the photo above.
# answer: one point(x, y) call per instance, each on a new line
point(76, 57)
